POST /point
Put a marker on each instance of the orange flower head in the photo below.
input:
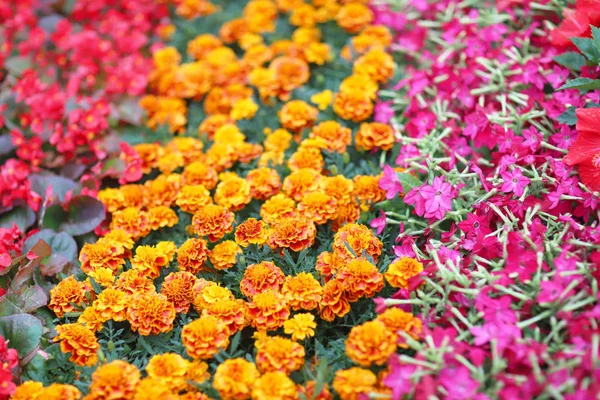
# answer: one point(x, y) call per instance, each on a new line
point(163, 190)
point(309, 391)
point(152, 388)
point(257, 55)
point(378, 33)
point(278, 141)
point(169, 368)
point(248, 152)
point(280, 354)
point(233, 194)
point(302, 292)
point(113, 199)
point(198, 374)
point(151, 314)
point(209, 293)
point(191, 198)
point(133, 221)
point(59, 391)
point(134, 195)
point(290, 73)
point(190, 148)
point(361, 279)
point(296, 115)
point(112, 304)
point(340, 188)
point(301, 326)
point(301, 182)
point(271, 159)
point(354, 383)
point(336, 136)
point(149, 154)
point(149, 260)
point(121, 237)
point(401, 270)
point(133, 282)
point(319, 207)
point(224, 254)
point(198, 173)
point(29, 390)
point(162, 216)
point(232, 312)
point(295, 233)
point(354, 105)
point(213, 221)
point(251, 231)
point(165, 110)
point(277, 208)
point(80, 341)
point(203, 44)
point(333, 303)
point(115, 377)
point(318, 53)
point(91, 319)
point(65, 296)
point(353, 17)
point(370, 343)
point(396, 320)
point(232, 30)
point(274, 385)
point(367, 190)
point(261, 15)
point(322, 99)
point(360, 239)
point(192, 255)
point(264, 183)
point(306, 157)
point(179, 289)
point(328, 264)
point(204, 337)
point(243, 109)
point(268, 310)
point(375, 135)
point(212, 123)
point(167, 248)
point(234, 378)
point(222, 155)
point(104, 253)
point(377, 64)
point(261, 277)
point(190, 9)
point(360, 83)
point(305, 15)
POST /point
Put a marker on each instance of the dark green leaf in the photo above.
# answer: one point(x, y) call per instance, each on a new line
point(53, 217)
point(7, 307)
point(581, 84)
point(572, 60)
point(28, 299)
point(23, 216)
point(85, 214)
point(568, 117)
point(23, 331)
point(16, 65)
point(60, 184)
point(588, 48)
point(596, 37)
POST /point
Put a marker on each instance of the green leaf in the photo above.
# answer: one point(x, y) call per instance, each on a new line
point(23, 216)
point(588, 48)
point(596, 37)
point(581, 84)
point(85, 214)
point(23, 331)
point(572, 60)
point(53, 217)
point(408, 181)
point(568, 117)
point(16, 65)
point(7, 307)
point(28, 299)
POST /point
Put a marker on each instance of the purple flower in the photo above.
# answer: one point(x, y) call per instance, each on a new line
point(383, 112)
point(514, 182)
point(431, 201)
point(379, 223)
point(390, 183)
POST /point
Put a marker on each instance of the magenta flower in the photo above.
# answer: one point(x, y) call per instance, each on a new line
point(379, 223)
point(431, 201)
point(514, 182)
point(390, 183)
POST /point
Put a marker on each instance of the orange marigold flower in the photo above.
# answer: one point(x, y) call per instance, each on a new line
point(233, 194)
point(133, 282)
point(198, 173)
point(232, 312)
point(165, 110)
point(198, 374)
point(121, 237)
point(367, 190)
point(306, 157)
point(222, 155)
point(328, 264)
point(65, 296)
point(163, 190)
point(171, 369)
point(302, 292)
point(339, 187)
point(274, 385)
point(261, 277)
point(268, 310)
point(401, 270)
point(149, 260)
point(192, 255)
point(270, 159)
point(290, 73)
point(179, 289)
point(234, 379)
point(318, 53)
point(336, 136)
point(309, 391)
point(116, 377)
point(212, 123)
point(161, 217)
point(192, 198)
point(322, 99)
point(213, 221)
point(113, 199)
point(224, 254)
point(203, 44)
point(294, 233)
point(112, 304)
point(319, 207)
point(151, 389)
point(209, 293)
point(305, 15)
point(243, 109)
point(232, 30)
point(360, 83)
point(151, 314)
point(149, 154)
point(134, 195)
point(360, 239)
point(375, 135)
point(280, 354)
point(354, 105)
point(353, 17)
point(301, 326)
point(190, 9)
point(251, 231)
point(102, 254)
point(277, 208)
point(264, 183)
point(376, 64)
point(29, 390)
point(285, 6)
point(204, 337)
point(133, 221)
point(301, 182)
point(296, 115)
point(396, 320)
point(278, 141)
point(346, 214)
point(59, 391)
point(188, 147)
point(361, 279)
point(80, 341)
point(167, 248)
point(370, 343)
point(333, 303)
point(354, 383)
point(91, 319)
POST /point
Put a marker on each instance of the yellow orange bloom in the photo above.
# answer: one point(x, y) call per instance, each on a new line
point(198, 173)
point(29, 390)
point(296, 115)
point(268, 310)
point(133, 221)
point(301, 326)
point(213, 221)
point(279, 354)
point(170, 368)
point(232, 312)
point(113, 199)
point(293, 233)
point(333, 303)
point(301, 182)
point(59, 391)
point(67, 296)
point(396, 320)
point(234, 379)
point(132, 282)
point(278, 140)
point(251, 231)
point(377, 64)
point(302, 292)
point(261, 277)
point(204, 337)
point(319, 207)
point(351, 384)
point(243, 109)
point(192, 255)
point(150, 314)
point(152, 389)
point(354, 105)
point(194, 8)
point(336, 136)
point(361, 279)
point(103, 276)
point(370, 343)
point(274, 385)
point(209, 293)
point(276, 208)
point(401, 270)
point(121, 237)
point(309, 391)
point(111, 304)
point(91, 319)
point(162, 216)
point(233, 194)
point(179, 289)
point(80, 341)
point(224, 254)
point(264, 183)
point(360, 239)
point(102, 254)
point(367, 190)
point(322, 99)
point(149, 260)
point(115, 377)
point(375, 135)
point(306, 157)
point(203, 44)
point(328, 264)
point(354, 16)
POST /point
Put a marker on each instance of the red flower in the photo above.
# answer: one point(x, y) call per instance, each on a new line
point(585, 151)
point(575, 24)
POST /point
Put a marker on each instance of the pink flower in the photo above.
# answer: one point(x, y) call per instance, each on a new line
point(431, 201)
point(514, 182)
point(379, 223)
point(390, 183)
